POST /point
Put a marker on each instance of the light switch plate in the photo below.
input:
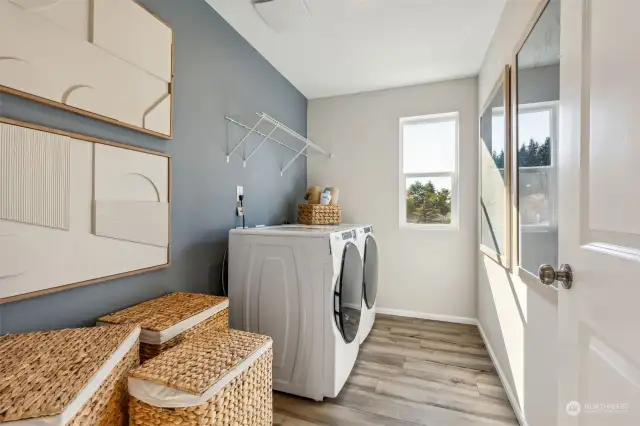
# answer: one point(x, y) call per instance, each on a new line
point(239, 192)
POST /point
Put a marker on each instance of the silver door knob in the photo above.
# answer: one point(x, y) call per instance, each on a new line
point(548, 275)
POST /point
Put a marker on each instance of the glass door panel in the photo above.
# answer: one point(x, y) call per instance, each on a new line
point(536, 145)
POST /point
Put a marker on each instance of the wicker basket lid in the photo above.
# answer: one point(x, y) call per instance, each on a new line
point(197, 365)
point(166, 311)
point(42, 373)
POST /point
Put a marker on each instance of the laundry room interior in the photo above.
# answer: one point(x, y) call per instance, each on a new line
point(317, 212)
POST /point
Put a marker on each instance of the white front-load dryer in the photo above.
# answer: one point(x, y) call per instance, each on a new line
point(303, 287)
point(369, 251)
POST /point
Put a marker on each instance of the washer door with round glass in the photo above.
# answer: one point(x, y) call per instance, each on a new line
point(348, 293)
point(370, 282)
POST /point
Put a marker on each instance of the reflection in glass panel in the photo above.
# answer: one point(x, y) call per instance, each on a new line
point(429, 200)
point(537, 176)
point(538, 97)
point(351, 292)
point(535, 197)
point(493, 176)
point(535, 128)
point(429, 146)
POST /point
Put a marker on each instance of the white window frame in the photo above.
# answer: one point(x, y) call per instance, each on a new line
point(551, 171)
point(432, 118)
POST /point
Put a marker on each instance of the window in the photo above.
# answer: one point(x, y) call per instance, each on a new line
point(428, 167)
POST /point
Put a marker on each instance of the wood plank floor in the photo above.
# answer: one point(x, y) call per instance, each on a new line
point(411, 372)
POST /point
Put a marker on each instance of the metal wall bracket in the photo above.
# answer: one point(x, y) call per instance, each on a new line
point(276, 125)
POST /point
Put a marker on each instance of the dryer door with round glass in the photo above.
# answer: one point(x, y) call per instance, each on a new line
point(370, 278)
point(348, 293)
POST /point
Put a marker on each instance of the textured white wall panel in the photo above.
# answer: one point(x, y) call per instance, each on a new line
point(73, 16)
point(126, 175)
point(158, 117)
point(12, 261)
point(140, 222)
point(34, 177)
point(35, 258)
point(86, 76)
point(127, 30)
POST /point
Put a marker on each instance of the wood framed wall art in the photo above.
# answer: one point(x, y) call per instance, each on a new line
point(111, 60)
point(76, 210)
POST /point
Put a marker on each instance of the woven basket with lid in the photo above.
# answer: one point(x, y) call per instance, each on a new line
point(169, 320)
point(221, 378)
point(67, 377)
point(319, 214)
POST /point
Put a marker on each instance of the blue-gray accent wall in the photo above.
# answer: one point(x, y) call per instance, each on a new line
point(217, 73)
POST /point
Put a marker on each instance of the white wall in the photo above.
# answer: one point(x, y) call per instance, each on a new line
point(430, 272)
point(519, 321)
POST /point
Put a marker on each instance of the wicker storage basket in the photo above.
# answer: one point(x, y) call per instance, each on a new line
point(319, 214)
point(67, 377)
point(169, 320)
point(222, 378)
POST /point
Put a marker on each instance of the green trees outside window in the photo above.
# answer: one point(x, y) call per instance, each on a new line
point(533, 154)
point(426, 204)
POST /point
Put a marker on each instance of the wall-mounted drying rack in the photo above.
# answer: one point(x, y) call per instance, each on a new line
point(276, 125)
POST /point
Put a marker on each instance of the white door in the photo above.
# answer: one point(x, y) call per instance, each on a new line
point(599, 365)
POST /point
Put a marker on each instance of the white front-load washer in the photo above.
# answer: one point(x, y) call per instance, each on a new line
point(369, 251)
point(303, 287)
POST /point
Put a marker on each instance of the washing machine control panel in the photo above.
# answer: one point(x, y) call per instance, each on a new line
point(348, 235)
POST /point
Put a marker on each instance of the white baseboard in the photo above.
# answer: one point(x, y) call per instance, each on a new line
point(515, 404)
point(425, 315)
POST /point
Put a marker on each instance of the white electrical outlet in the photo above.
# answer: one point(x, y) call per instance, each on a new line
point(239, 192)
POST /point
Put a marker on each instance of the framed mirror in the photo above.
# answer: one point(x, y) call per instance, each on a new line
point(535, 143)
point(495, 171)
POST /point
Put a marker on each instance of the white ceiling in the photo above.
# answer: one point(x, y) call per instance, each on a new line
point(351, 46)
